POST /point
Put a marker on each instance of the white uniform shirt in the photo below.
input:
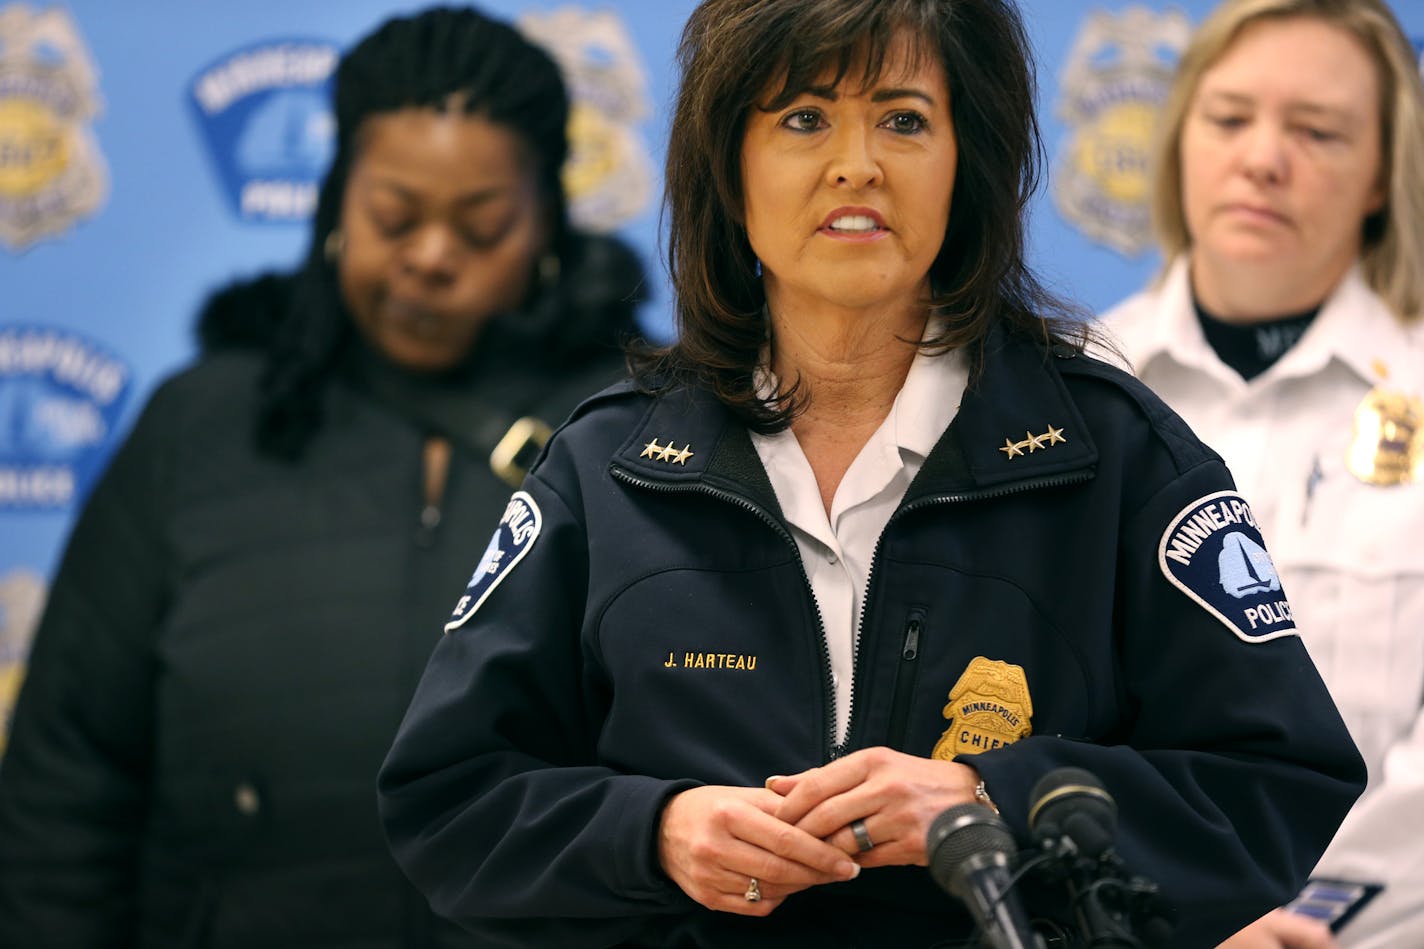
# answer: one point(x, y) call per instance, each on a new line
point(1350, 554)
point(837, 550)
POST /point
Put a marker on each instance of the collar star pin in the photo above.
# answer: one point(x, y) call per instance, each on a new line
point(1032, 442)
point(667, 453)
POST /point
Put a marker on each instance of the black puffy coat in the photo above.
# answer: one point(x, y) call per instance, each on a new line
point(229, 646)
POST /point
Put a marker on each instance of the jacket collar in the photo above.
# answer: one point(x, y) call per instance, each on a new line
point(1016, 423)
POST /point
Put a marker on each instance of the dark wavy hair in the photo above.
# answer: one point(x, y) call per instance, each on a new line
point(442, 59)
point(731, 53)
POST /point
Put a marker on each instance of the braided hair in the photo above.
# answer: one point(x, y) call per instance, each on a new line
point(450, 60)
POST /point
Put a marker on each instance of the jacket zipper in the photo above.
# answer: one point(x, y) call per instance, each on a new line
point(829, 749)
point(1017, 487)
point(905, 676)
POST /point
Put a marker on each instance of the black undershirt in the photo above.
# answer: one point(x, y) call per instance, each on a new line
point(1252, 348)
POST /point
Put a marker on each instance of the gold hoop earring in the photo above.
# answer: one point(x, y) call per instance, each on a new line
point(334, 245)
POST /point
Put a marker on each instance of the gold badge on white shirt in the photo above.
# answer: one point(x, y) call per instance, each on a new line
point(1387, 445)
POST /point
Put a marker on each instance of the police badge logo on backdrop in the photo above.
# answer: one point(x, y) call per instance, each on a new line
point(60, 399)
point(264, 112)
point(609, 175)
point(51, 171)
point(1213, 552)
point(1114, 84)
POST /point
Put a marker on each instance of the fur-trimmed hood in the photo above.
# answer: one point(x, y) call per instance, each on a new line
point(593, 304)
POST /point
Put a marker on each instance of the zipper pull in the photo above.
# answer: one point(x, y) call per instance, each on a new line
point(435, 465)
point(429, 522)
point(911, 648)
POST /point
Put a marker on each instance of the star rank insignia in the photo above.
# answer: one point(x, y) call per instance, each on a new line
point(1032, 442)
point(667, 453)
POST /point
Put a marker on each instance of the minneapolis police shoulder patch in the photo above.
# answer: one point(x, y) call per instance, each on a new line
point(515, 535)
point(1213, 552)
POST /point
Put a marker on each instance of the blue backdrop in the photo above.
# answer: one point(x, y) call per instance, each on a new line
point(150, 152)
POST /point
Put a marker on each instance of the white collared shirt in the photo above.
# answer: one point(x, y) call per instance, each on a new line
point(1350, 554)
point(837, 550)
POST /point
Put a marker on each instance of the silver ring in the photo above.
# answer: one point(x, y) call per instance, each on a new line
point(862, 836)
point(753, 893)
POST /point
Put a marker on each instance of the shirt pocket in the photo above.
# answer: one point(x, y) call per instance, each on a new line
point(1351, 560)
point(1331, 519)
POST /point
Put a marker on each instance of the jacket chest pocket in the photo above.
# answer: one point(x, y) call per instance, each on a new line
point(712, 676)
point(974, 666)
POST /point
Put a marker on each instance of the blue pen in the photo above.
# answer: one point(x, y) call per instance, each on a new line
point(1316, 476)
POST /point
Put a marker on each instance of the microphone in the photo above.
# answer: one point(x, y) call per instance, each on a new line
point(1070, 808)
point(969, 851)
point(1074, 818)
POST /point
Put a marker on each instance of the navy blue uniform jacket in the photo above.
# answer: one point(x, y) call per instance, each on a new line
point(658, 632)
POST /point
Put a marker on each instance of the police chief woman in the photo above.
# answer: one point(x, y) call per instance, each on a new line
point(871, 540)
point(251, 591)
point(1289, 203)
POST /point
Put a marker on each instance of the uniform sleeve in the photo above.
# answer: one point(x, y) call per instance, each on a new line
point(490, 797)
point(1232, 768)
point(1379, 842)
point(74, 779)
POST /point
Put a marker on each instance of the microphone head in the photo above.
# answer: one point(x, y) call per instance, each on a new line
point(1073, 803)
point(963, 838)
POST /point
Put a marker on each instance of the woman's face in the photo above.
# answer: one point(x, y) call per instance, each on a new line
point(848, 189)
point(1280, 155)
point(443, 223)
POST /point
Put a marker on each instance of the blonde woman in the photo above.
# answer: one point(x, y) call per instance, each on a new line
point(1290, 208)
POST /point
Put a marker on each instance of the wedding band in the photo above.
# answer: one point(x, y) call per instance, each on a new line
point(862, 836)
point(753, 893)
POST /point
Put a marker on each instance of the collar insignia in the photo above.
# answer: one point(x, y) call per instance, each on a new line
point(1032, 442)
point(667, 452)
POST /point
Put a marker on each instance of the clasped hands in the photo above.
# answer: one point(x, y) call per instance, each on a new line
point(795, 832)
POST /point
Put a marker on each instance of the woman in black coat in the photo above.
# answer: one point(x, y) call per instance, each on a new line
point(249, 595)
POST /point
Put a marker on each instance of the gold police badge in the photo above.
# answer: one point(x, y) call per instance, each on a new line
point(50, 170)
point(609, 174)
point(989, 707)
point(1111, 90)
point(1387, 447)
